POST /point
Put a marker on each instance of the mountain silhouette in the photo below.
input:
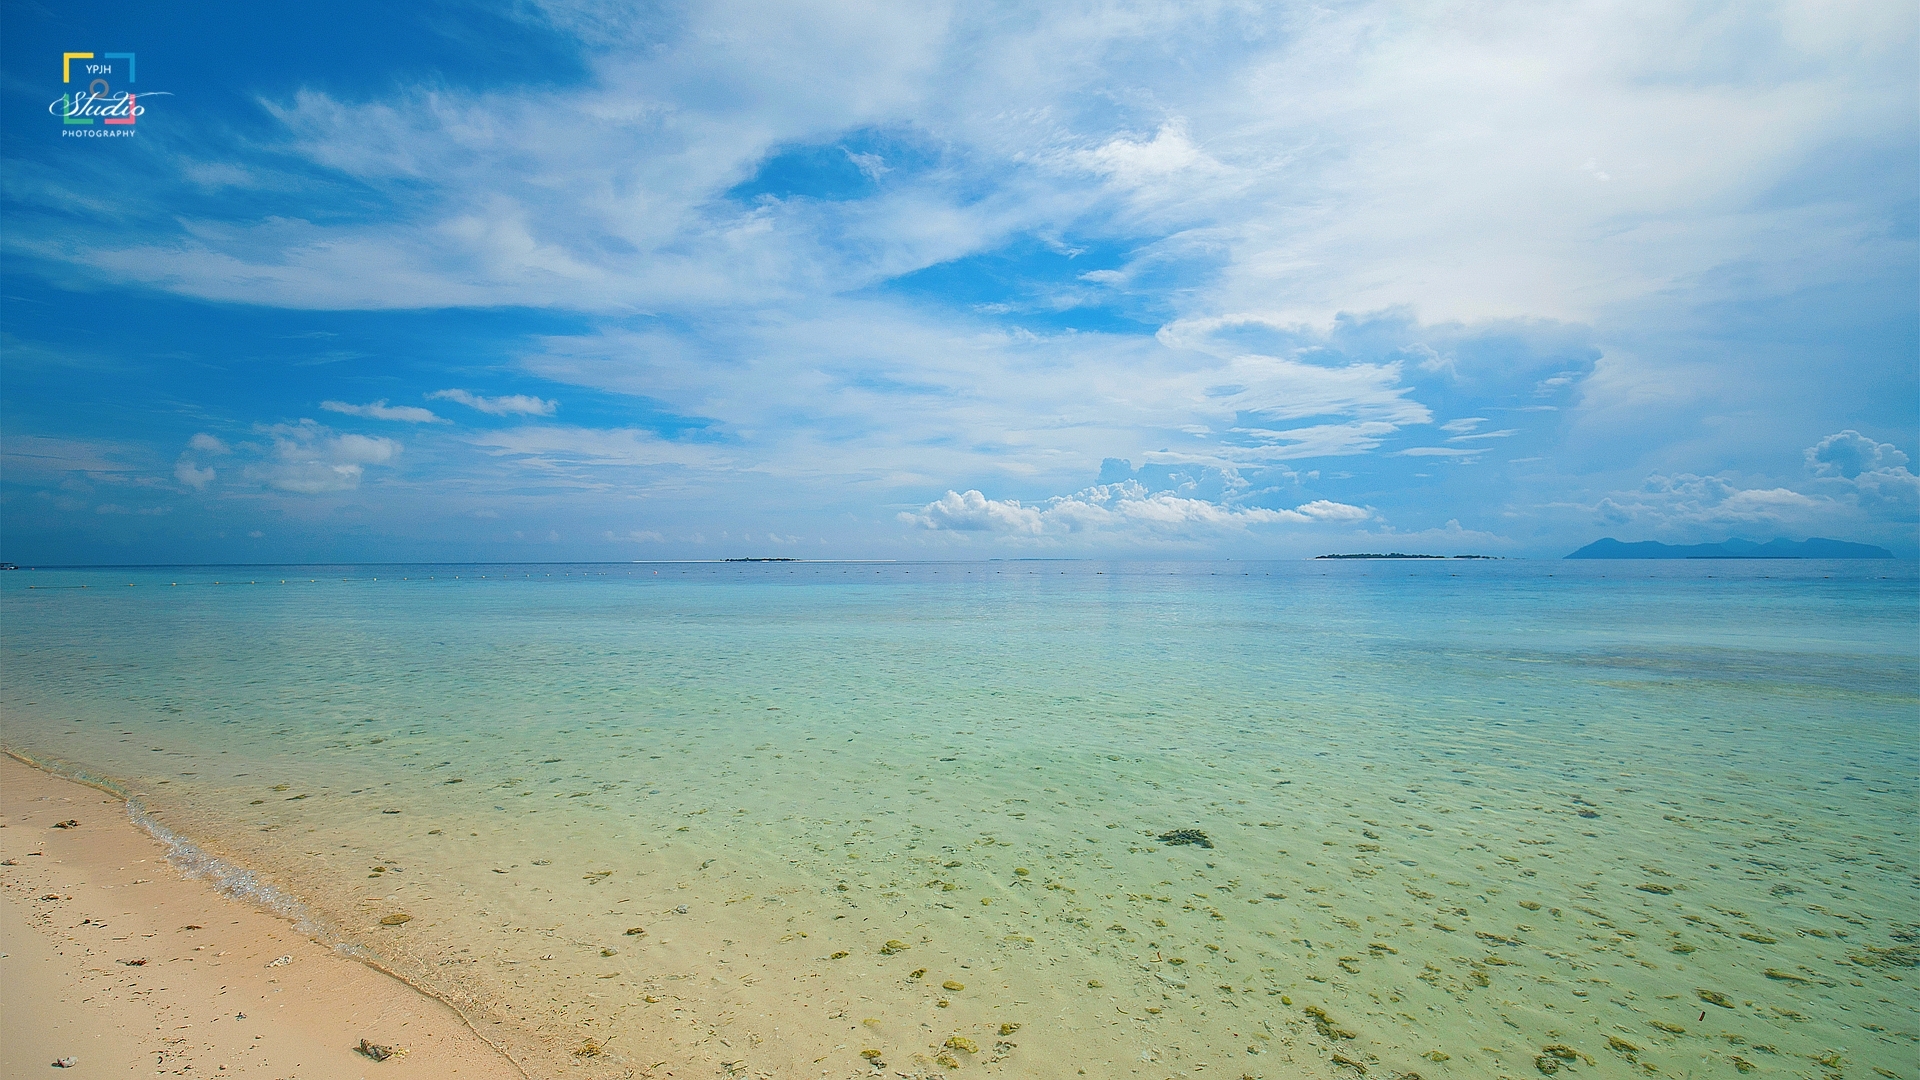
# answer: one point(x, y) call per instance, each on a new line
point(1814, 547)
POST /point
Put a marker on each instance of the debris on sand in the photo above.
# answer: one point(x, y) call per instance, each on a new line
point(67, 824)
point(1186, 836)
point(375, 1050)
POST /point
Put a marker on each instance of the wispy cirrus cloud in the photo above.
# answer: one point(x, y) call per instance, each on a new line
point(53, 456)
point(553, 447)
point(380, 410)
point(505, 405)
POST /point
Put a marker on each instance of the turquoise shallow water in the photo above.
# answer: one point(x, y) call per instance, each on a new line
point(1467, 819)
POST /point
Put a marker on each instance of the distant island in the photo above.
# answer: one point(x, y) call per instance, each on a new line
point(1814, 547)
point(1404, 555)
point(763, 559)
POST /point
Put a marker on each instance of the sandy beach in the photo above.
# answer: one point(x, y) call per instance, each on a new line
point(111, 957)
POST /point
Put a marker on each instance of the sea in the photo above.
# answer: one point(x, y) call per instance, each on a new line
point(1322, 819)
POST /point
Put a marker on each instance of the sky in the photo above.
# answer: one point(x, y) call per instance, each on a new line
point(580, 281)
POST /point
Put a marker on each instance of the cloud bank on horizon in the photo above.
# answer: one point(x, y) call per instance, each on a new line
point(581, 280)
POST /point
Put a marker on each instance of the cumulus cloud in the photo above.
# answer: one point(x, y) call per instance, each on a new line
point(1849, 453)
point(508, 405)
point(309, 459)
point(380, 410)
point(194, 477)
point(1126, 507)
point(1873, 474)
point(1859, 485)
point(974, 512)
point(188, 470)
point(1665, 501)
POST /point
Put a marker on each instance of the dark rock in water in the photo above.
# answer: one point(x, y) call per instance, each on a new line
point(1186, 836)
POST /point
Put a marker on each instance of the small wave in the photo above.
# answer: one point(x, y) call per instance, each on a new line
point(233, 881)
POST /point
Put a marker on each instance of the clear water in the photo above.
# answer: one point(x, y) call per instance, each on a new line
point(1467, 819)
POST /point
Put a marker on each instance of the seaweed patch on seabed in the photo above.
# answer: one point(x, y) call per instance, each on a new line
point(1185, 836)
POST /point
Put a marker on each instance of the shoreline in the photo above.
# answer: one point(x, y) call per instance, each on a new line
point(118, 956)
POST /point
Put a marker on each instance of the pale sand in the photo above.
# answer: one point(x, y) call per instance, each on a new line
point(80, 902)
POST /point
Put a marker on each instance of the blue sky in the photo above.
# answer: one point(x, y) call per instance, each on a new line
point(636, 281)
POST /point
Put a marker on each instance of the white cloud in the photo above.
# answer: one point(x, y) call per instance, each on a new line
point(1349, 158)
point(1429, 359)
point(1860, 487)
point(195, 478)
point(1681, 502)
point(873, 166)
point(1235, 169)
point(1155, 174)
point(554, 447)
point(1280, 388)
point(309, 459)
point(1849, 453)
point(1126, 508)
point(380, 410)
point(974, 512)
point(188, 471)
point(213, 175)
point(509, 405)
point(1448, 539)
point(1319, 440)
point(1874, 475)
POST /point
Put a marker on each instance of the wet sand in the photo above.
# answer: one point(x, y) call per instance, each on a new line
point(111, 957)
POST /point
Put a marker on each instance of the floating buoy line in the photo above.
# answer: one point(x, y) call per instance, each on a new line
point(316, 581)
